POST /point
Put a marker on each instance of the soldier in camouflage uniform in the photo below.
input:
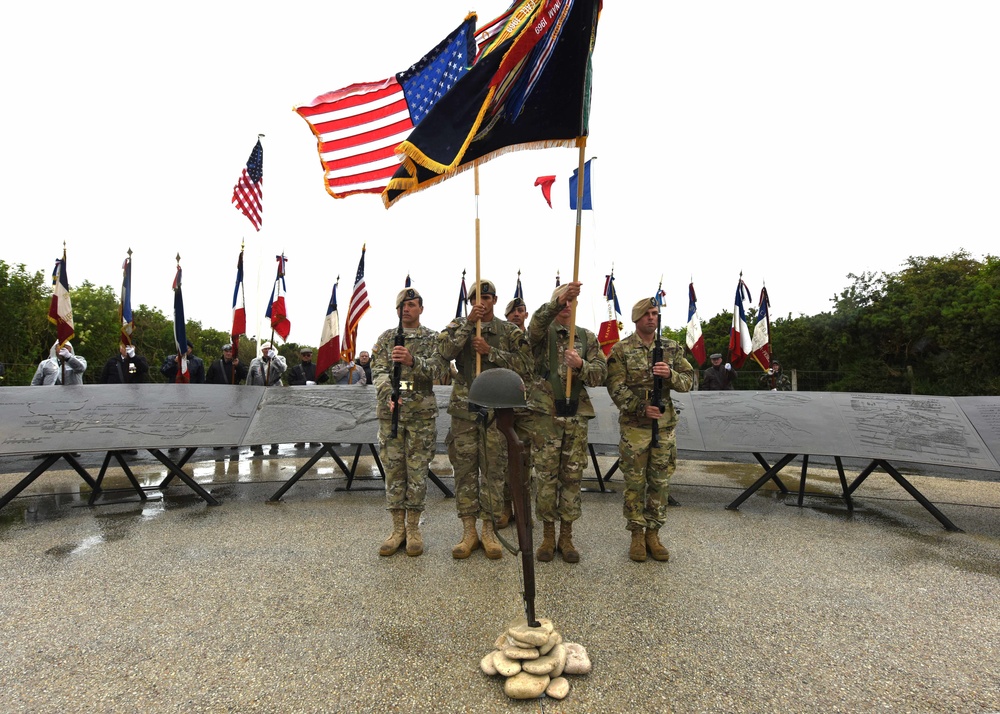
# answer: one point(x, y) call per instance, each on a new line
point(517, 313)
point(475, 446)
point(408, 456)
point(774, 379)
point(556, 430)
point(646, 470)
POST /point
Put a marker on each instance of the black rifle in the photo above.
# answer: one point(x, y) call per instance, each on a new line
point(656, 398)
point(397, 373)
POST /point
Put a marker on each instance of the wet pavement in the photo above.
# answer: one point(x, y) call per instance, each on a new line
point(171, 605)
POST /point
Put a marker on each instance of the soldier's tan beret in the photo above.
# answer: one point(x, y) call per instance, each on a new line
point(639, 309)
point(513, 305)
point(406, 294)
point(487, 287)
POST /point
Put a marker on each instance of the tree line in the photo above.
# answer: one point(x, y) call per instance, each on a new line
point(929, 328)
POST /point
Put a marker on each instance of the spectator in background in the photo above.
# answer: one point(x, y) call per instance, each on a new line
point(62, 367)
point(365, 362)
point(718, 376)
point(348, 373)
point(227, 369)
point(126, 367)
point(774, 379)
point(196, 368)
point(266, 371)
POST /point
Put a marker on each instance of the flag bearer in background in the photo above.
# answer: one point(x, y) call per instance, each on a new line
point(407, 453)
point(266, 371)
point(646, 468)
point(63, 363)
point(126, 367)
point(477, 450)
point(556, 430)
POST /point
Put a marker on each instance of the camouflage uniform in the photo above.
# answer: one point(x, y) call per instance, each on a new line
point(646, 471)
point(776, 382)
point(466, 448)
point(558, 444)
point(407, 457)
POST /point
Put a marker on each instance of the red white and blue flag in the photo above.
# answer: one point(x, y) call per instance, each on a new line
point(694, 339)
point(239, 308)
point(740, 343)
point(358, 127)
point(356, 309)
point(588, 196)
point(60, 308)
point(329, 341)
point(125, 307)
point(276, 305)
point(248, 193)
point(761, 348)
point(180, 332)
point(608, 332)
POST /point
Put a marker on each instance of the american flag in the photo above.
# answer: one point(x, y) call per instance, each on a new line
point(248, 194)
point(357, 307)
point(358, 127)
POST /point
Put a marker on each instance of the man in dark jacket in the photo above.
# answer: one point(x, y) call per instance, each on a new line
point(718, 376)
point(304, 373)
point(196, 368)
point(126, 367)
point(227, 369)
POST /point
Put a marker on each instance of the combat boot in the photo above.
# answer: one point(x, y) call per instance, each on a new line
point(507, 516)
point(548, 547)
point(414, 541)
point(398, 535)
point(569, 552)
point(656, 548)
point(490, 543)
point(637, 550)
point(470, 539)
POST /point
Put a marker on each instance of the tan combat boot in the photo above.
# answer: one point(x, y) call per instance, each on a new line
point(656, 548)
point(414, 541)
point(490, 543)
point(548, 547)
point(392, 543)
point(470, 539)
point(569, 552)
point(507, 516)
point(637, 550)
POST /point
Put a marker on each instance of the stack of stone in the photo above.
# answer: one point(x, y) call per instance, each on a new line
point(534, 659)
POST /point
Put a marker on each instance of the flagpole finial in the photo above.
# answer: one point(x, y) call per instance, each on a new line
point(178, 259)
point(463, 274)
point(260, 136)
point(129, 251)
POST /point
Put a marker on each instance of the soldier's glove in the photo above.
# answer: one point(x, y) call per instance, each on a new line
point(130, 351)
point(728, 367)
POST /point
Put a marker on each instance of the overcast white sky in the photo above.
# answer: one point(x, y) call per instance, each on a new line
point(795, 142)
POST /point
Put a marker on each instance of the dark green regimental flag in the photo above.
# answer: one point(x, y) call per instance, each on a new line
point(528, 89)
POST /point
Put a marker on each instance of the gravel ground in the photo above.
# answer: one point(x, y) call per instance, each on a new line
point(175, 606)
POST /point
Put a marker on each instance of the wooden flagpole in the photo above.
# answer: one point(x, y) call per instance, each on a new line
point(581, 142)
point(479, 291)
